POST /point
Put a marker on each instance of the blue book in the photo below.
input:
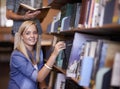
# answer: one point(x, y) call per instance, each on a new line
point(107, 79)
point(86, 71)
point(59, 60)
point(65, 24)
point(53, 25)
point(109, 11)
point(56, 24)
point(103, 55)
point(77, 15)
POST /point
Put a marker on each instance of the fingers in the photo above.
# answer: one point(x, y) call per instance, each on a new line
point(58, 47)
point(31, 15)
point(62, 45)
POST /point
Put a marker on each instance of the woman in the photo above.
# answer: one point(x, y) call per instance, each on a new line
point(26, 63)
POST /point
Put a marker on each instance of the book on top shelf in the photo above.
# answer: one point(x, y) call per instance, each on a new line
point(23, 8)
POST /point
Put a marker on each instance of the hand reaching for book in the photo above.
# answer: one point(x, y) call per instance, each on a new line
point(31, 15)
point(58, 47)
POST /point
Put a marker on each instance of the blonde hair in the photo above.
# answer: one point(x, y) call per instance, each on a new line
point(19, 44)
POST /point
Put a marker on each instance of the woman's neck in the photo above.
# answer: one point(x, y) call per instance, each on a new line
point(30, 48)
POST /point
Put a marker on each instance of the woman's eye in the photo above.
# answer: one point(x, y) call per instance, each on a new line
point(35, 32)
point(27, 33)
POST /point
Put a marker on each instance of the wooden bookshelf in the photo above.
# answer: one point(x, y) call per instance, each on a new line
point(59, 69)
point(108, 30)
point(47, 42)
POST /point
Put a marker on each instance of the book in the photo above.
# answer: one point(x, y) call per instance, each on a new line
point(60, 58)
point(73, 15)
point(116, 13)
point(77, 15)
point(87, 63)
point(109, 11)
point(90, 13)
point(108, 51)
point(100, 76)
point(23, 8)
point(103, 55)
point(115, 79)
point(60, 81)
point(83, 11)
point(55, 24)
point(66, 10)
point(76, 52)
point(106, 79)
point(86, 71)
point(112, 49)
point(67, 53)
point(65, 23)
point(96, 61)
point(95, 16)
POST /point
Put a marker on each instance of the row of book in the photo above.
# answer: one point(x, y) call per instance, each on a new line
point(63, 82)
point(89, 13)
point(67, 18)
point(88, 58)
point(99, 12)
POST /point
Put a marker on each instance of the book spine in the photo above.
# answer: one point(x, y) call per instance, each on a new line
point(86, 71)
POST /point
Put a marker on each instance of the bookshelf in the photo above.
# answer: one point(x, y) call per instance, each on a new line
point(109, 33)
point(111, 30)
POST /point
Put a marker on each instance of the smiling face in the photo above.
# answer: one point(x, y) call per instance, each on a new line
point(30, 36)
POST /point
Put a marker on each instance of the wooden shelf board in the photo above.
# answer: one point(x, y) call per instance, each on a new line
point(60, 69)
point(46, 42)
point(106, 30)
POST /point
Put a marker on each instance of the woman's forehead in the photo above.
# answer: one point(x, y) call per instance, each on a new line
point(31, 28)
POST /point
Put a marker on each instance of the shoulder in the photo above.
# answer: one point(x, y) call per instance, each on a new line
point(18, 58)
point(16, 54)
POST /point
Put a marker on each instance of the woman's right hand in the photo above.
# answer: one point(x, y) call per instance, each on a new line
point(58, 47)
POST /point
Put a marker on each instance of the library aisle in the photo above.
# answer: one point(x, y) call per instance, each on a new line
point(4, 75)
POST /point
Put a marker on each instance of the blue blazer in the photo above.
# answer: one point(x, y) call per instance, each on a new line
point(23, 75)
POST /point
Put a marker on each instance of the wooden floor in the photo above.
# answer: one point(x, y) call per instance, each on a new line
point(4, 75)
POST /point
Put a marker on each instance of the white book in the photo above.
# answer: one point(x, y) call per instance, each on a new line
point(60, 81)
point(99, 77)
point(54, 22)
point(95, 20)
point(115, 80)
point(93, 49)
